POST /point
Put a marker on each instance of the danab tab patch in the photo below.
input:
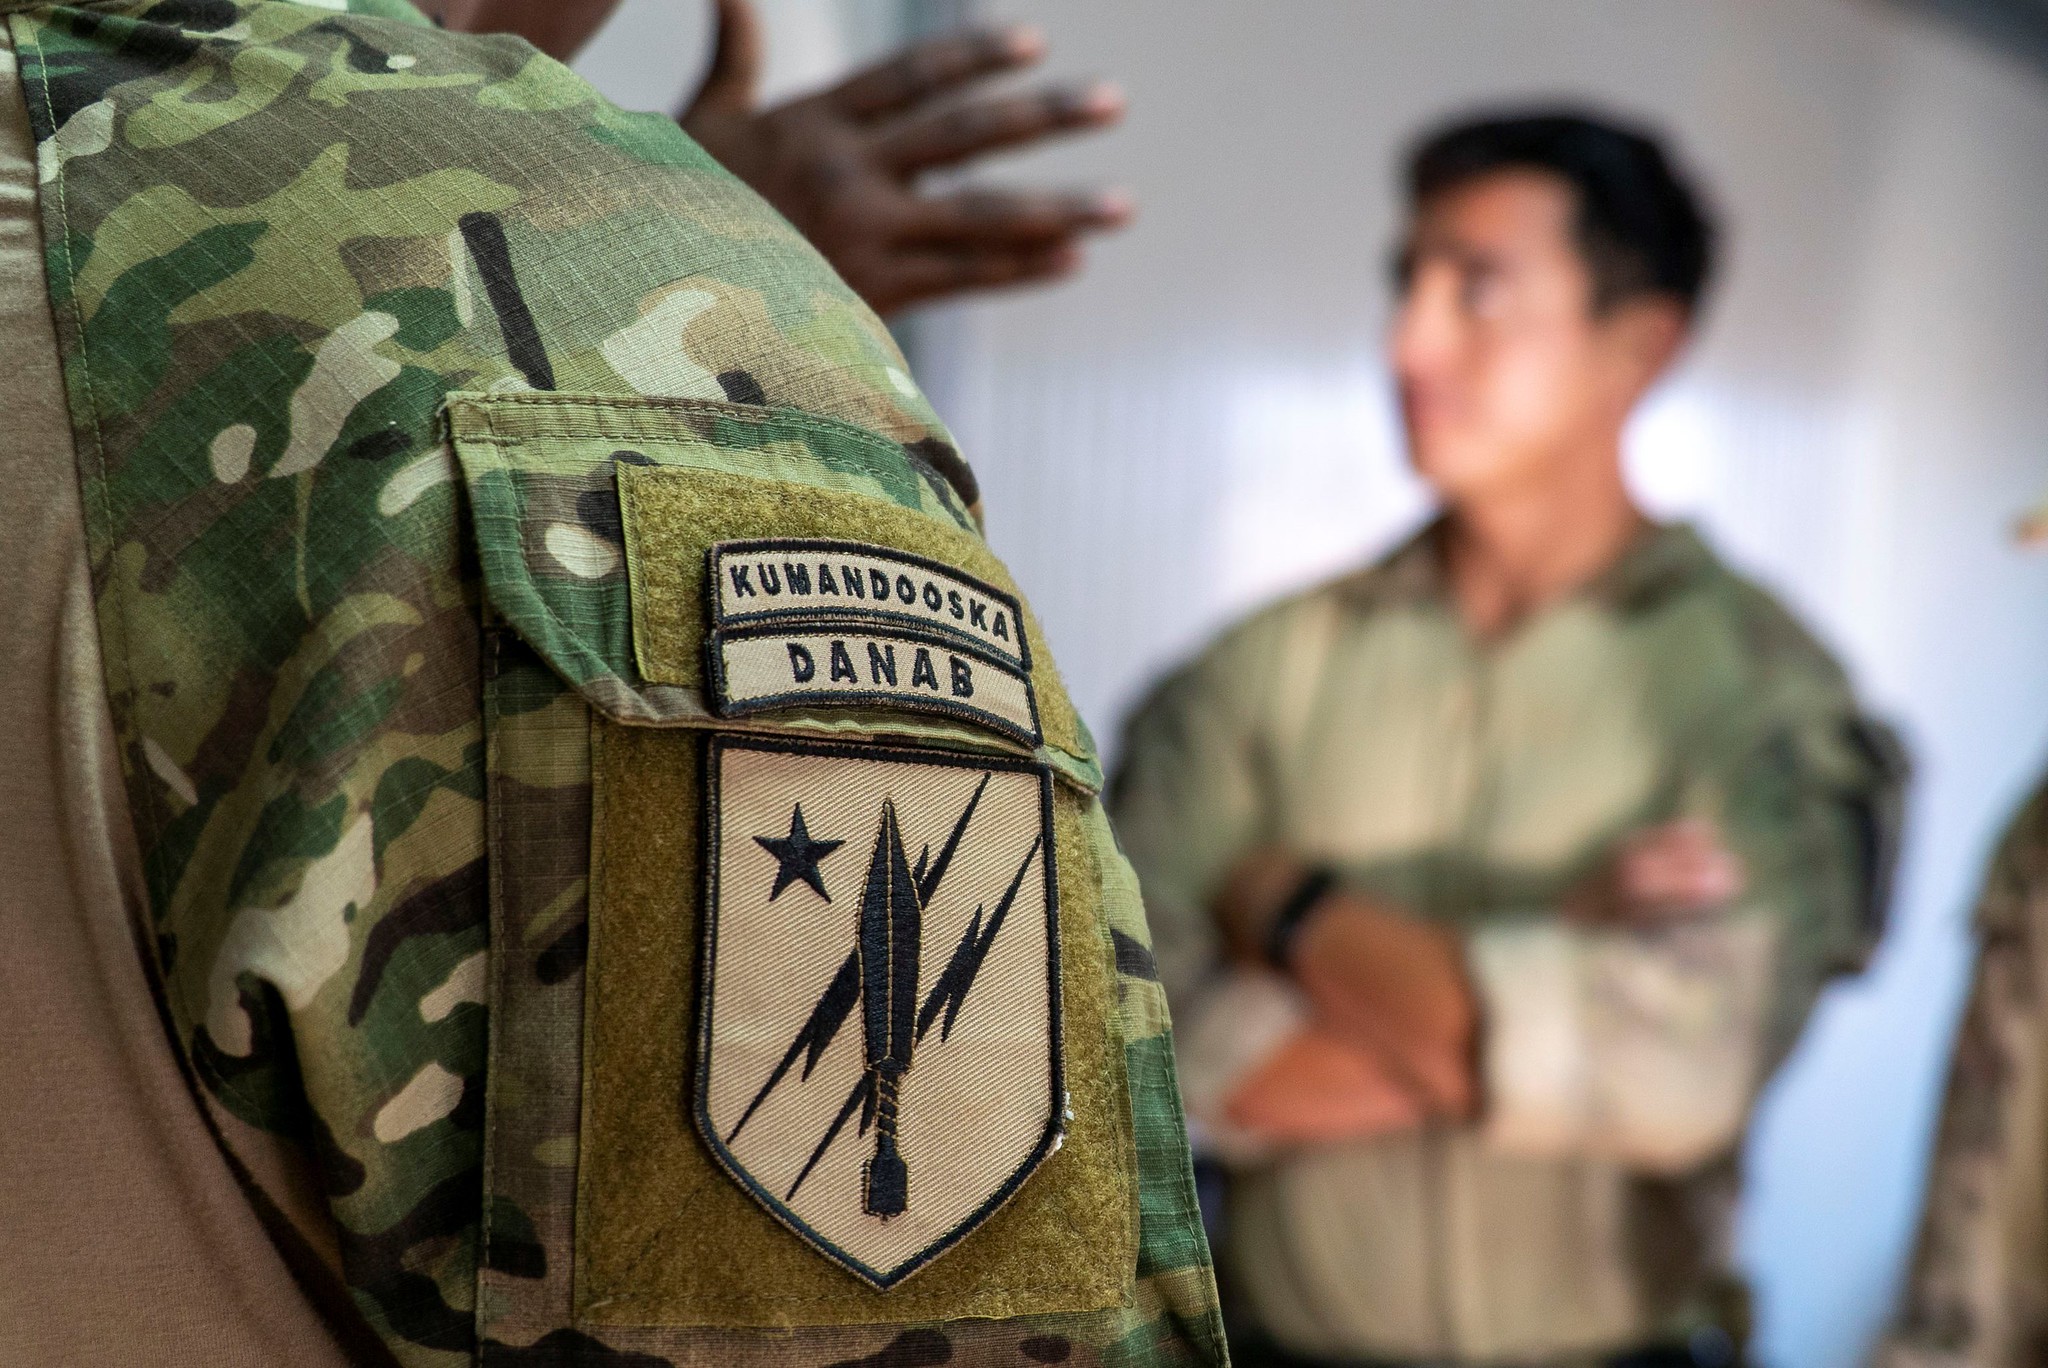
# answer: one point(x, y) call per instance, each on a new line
point(879, 1051)
point(760, 668)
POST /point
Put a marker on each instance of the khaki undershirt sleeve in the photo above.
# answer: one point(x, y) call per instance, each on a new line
point(1642, 1048)
point(128, 1239)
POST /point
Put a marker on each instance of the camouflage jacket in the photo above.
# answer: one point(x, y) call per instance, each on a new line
point(1585, 1211)
point(422, 401)
point(1978, 1291)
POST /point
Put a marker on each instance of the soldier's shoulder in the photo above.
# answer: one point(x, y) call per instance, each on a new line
point(1773, 643)
point(1239, 667)
point(1784, 683)
point(1293, 612)
point(1407, 575)
point(1258, 638)
point(2030, 827)
point(595, 250)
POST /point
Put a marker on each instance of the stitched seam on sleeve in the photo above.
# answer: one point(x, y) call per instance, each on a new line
point(151, 816)
point(758, 417)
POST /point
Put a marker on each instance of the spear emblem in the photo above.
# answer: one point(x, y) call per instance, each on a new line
point(891, 931)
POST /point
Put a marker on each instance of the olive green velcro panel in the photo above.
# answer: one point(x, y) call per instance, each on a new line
point(666, 1237)
point(674, 516)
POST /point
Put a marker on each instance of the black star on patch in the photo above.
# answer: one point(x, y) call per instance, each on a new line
point(798, 856)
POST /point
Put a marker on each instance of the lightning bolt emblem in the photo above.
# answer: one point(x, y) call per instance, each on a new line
point(880, 975)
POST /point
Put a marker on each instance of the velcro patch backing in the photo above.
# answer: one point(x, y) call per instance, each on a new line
point(664, 1235)
point(672, 517)
point(763, 668)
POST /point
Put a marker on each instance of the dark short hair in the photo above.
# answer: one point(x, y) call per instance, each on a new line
point(1642, 228)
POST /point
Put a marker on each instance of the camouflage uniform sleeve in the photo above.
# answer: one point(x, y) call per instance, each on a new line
point(1814, 810)
point(1978, 1290)
point(1649, 1047)
point(289, 246)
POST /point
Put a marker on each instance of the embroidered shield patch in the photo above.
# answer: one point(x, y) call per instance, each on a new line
point(879, 1055)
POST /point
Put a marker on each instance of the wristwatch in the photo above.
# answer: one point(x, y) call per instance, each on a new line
point(1287, 921)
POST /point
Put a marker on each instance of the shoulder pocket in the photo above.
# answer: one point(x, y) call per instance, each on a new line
point(690, 562)
point(846, 1011)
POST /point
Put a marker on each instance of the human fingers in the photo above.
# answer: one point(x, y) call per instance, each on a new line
point(931, 68)
point(1682, 884)
point(735, 70)
point(1433, 1065)
point(994, 217)
point(1684, 872)
point(1396, 984)
point(1319, 1089)
point(974, 128)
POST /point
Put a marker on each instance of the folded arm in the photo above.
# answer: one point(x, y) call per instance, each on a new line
point(1638, 1021)
point(1634, 1021)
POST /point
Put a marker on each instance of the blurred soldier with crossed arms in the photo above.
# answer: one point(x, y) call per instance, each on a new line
point(1491, 882)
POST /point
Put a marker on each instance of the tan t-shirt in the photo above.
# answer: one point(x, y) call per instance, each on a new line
point(125, 1237)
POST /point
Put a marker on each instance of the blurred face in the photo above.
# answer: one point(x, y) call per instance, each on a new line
point(1505, 373)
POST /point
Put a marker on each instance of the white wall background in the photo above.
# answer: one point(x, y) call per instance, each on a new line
point(1202, 419)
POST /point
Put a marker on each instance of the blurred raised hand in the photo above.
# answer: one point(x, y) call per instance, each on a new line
point(845, 165)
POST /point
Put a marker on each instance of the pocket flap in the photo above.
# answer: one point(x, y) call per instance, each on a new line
point(599, 523)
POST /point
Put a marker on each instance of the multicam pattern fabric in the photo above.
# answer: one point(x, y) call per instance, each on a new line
point(1978, 1291)
point(280, 237)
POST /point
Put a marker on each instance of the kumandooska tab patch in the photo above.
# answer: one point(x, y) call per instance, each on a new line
point(760, 668)
point(815, 578)
point(879, 1054)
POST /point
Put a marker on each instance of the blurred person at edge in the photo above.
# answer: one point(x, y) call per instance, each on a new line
point(1977, 1293)
point(843, 164)
point(1490, 882)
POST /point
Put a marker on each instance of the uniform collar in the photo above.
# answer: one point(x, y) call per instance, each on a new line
point(1665, 560)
